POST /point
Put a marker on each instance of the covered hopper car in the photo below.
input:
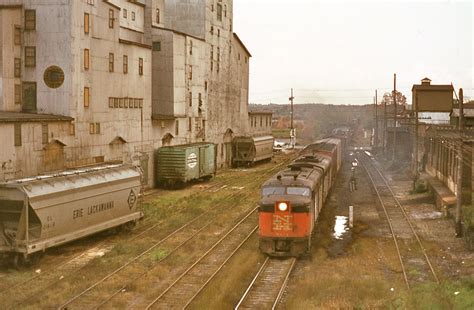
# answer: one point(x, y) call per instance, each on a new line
point(46, 211)
point(249, 150)
point(292, 200)
point(179, 164)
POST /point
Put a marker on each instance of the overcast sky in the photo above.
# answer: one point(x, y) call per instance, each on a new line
point(339, 52)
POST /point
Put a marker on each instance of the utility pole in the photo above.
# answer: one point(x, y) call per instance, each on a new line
point(460, 164)
point(384, 132)
point(395, 115)
point(292, 130)
point(376, 136)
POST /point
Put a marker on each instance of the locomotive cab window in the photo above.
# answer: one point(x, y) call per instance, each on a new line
point(278, 190)
point(300, 191)
point(272, 190)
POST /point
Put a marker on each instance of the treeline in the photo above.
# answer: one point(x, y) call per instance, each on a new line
point(317, 120)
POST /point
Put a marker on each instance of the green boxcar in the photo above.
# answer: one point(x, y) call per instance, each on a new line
point(183, 163)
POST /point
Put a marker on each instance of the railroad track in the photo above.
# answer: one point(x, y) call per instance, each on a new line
point(184, 289)
point(414, 261)
point(267, 287)
point(22, 291)
point(34, 296)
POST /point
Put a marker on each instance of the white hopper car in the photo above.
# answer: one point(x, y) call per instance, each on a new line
point(46, 211)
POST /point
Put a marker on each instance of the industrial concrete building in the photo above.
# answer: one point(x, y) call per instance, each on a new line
point(91, 81)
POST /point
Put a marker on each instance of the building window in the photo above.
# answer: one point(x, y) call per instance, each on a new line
point(205, 85)
point(30, 19)
point(140, 66)
point(218, 32)
point(157, 46)
point(157, 16)
point(30, 56)
point(111, 102)
point(87, 96)
point(44, 133)
point(218, 54)
point(190, 72)
point(111, 62)
point(212, 29)
point(176, 128)
point(17, 35)
point(190, 47)
point(111, 18)
point(86, 59)
point(190, 124)
point(17, 67)
point(97, 128)
point(17, 94)
point(190, 99)
point(72, 129)
point(219, 12)
point(133, 15)
point(225, 10)
point(120, 102)
point(86, 23)
point(91, 128)
point(124, 13)
point(116, 102)
point(212, 52)
point(17, 134)
point(125, 64)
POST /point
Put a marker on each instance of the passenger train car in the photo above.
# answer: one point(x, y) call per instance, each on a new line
point(292, 200)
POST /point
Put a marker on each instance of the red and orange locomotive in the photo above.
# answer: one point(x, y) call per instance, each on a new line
point(291, 200)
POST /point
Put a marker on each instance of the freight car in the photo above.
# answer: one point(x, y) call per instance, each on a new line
point(46, 211)
point(249, 150)
point(179, 164)
point(292, 200)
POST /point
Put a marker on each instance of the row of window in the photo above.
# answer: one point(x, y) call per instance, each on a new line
point(253, 121)
point(125, 14)
point(112, 62)
point(130, 103)
point(17, 134)
point(30, 61)
point(200, 124)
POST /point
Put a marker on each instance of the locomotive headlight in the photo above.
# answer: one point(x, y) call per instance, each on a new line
point(282, 206)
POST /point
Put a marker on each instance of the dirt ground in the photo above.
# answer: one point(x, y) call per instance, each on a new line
point(358, 267)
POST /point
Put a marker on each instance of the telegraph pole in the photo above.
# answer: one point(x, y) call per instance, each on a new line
point(384, 132)
point(395, 114)
point(460, 164)
point(376, 136)
point(292, 130)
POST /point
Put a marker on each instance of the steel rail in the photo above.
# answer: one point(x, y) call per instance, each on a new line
point(285, 282)
point(281, 280)
point(220, 267)
point(150, 269)
point(252, 283)
point(69, 260)
point(130, 261)
point(389, 224)
point(200, 258)
point(411, 226)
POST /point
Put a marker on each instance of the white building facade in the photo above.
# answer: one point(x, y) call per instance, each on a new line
point(89, 81)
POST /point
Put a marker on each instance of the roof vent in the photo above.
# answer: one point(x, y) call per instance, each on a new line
point(426, 81)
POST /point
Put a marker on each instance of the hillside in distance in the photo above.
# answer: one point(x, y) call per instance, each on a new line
point(313, 121)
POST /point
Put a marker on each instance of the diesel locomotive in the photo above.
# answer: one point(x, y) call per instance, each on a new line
point(292, 200)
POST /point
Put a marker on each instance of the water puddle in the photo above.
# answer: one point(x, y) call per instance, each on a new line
point(342, 237)
point(340, 227)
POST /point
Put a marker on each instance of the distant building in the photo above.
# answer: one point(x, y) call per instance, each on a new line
point(432, 102)
point(260, 123)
